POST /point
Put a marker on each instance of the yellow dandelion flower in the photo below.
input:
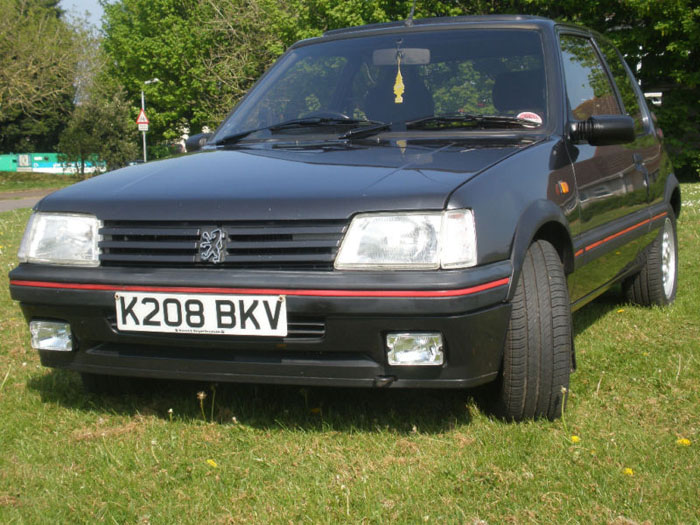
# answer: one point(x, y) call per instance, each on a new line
point(620, 310)
point(575, 439)
point(212, 463)
point(628, 471)
point(201, 396)
point(684, 442)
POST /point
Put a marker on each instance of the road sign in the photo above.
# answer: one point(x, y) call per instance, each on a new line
point(143, 127)
point(142, 118)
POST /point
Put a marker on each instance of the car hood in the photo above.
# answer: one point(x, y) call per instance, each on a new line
point(258, 183)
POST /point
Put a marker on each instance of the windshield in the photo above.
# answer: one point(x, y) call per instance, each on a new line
point(399, 78)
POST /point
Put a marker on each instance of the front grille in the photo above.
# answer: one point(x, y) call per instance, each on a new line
point(248, 245)
point(298, 328)
point(306, 328)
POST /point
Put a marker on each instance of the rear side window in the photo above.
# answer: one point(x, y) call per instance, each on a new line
point(588, 86)
point(624, 84)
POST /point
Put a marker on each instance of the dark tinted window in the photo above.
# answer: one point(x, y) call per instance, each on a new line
point(588, 87)
point(624, 83)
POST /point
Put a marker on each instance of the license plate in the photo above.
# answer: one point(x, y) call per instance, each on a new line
point(257, 315)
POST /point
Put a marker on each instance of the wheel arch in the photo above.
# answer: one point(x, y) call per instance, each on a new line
point(542, 220)
point(673, 194)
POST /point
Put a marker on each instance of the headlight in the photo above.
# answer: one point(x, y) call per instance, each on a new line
point(64, 239)
point(409, 241)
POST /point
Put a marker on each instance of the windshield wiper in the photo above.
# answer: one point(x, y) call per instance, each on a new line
point(318, 121)
point(362, 132)
point(466, 120)
point(300, 123)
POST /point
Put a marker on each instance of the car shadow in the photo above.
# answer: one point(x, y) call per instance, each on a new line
point(588, 315)
point(403, 411)
point(307, 408)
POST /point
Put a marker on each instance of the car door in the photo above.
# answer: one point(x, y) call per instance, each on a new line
point(648, 150)
point(612, 185)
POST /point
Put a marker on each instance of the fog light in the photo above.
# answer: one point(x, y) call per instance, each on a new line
point(414, 349)
point(51, 335)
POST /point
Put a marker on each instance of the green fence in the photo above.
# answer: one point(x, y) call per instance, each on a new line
point(45, 163)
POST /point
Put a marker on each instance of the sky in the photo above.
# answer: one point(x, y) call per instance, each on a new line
point(78, 7)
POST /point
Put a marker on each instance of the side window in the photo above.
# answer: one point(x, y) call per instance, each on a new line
point(624, 84)
point(588, 87)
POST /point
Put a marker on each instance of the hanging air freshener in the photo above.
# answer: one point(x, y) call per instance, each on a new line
point(398, 85)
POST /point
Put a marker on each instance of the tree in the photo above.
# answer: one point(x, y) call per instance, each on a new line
point(20, 131)
point(245, 39)
point(161, 39)
point(38, 61)
point(100, 128)
point(207, 53)
point(664, 39)
point(37, 57)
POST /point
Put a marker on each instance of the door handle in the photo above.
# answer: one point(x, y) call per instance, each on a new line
point(639, 163)
point(641, 167)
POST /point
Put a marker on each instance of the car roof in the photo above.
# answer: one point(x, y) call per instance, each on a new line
point(436, 23)
point(443, 22)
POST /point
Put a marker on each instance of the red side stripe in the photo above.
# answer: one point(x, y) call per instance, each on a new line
point(267, 291)
point(618, 234)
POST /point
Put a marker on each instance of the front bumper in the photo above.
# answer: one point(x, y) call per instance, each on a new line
point(338, 323)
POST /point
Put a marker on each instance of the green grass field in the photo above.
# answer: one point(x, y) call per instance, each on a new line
point(18, 181)
point(289, 455)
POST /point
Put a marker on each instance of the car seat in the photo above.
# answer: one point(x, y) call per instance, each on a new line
point(517, 91)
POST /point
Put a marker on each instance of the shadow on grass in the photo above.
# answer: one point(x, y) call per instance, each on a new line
point(307, 409)
point(269, 406)
point(593, 311)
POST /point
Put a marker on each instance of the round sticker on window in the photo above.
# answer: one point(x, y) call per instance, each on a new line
point(532, 117)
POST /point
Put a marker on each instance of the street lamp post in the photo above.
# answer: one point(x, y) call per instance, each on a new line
point(143, 108)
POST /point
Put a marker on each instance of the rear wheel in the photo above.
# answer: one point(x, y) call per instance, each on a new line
point(656, 282)
point(537, 354)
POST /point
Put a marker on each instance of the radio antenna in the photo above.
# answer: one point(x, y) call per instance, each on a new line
point(409, 20)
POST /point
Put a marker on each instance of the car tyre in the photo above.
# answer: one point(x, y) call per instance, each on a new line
point(656, 283)
point(534, 378)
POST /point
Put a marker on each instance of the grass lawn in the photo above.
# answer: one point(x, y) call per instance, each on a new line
point(290, 455)
point(19, 181)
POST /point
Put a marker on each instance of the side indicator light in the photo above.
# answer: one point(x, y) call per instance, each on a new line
point(562, 188)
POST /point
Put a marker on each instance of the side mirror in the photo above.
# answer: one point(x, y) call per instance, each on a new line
point(195, 142)
point(603, 130)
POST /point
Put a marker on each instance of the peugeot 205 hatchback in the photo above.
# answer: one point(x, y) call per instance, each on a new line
point(392, 205)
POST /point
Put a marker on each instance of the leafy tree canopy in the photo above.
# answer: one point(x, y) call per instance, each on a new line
point(207, 53)
point(38, 63)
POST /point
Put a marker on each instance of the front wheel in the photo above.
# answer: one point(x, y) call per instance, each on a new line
point(656, 282)
point(537, 356)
